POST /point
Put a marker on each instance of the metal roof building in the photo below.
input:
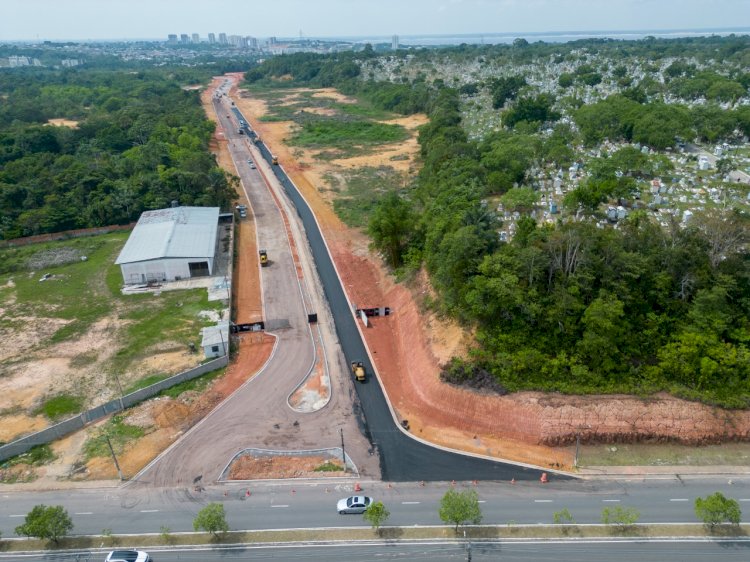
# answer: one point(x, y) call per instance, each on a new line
point(170, 244)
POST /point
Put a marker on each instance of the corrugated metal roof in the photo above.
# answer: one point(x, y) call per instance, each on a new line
point(178, 232)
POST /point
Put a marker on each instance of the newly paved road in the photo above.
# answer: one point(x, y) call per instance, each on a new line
point(402, 458)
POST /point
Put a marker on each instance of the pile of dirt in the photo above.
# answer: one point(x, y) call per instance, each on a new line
point(248, 467)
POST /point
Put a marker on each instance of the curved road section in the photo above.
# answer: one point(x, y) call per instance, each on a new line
point(402, 458)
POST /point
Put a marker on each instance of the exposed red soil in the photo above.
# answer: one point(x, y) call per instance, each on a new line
point(261, 468)
point(520, 426)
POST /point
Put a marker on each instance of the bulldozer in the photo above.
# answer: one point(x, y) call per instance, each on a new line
point(263, 258)
point(358, 370)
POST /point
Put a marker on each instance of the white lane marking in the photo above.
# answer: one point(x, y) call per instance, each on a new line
point(482, 501)
point(149, 510)
point(16, 516)
point(84, 513)
point(614, 501)
point(679, 500)
point(745, 500)
point(409, 503)
point(281, 505)
point(542, 501)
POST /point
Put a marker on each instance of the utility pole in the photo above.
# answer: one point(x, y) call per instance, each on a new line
point(114, 458)
point(343, 451)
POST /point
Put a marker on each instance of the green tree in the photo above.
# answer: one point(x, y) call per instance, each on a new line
point(460, 507)
point(390, 227)
point(376, 514)
point(522, 199)
point(46, 522)
point(716, 509)
point(211, 519)
point(620, 516)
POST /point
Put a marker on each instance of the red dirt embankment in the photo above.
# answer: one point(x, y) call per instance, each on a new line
point(408, 348)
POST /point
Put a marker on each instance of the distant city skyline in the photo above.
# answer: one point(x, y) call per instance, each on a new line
point(156, 19)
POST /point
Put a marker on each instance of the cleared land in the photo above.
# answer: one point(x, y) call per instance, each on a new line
point(410, 346)
point(71, 335)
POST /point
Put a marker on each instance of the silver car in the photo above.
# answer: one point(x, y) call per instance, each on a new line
point(353, 504)
point(128, 556)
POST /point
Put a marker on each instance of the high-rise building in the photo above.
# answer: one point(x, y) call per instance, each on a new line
point(223, 38)
point(211, 38)
point(252, 42)
point(196, 38)
point(184, 38)
point(394, 42)
point(172, 39)
point(271, 41)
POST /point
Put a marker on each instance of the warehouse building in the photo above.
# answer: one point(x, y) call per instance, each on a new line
point(170, 245)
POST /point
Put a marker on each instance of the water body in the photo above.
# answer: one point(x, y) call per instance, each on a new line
point(547, 37)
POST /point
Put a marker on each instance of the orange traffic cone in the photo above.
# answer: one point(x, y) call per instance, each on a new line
point(543, 479)
point(357, 487)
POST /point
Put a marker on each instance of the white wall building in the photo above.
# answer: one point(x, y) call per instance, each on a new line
point(169, 245)
point(215, 342)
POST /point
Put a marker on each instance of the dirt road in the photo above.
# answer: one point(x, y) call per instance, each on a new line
point(258, 413)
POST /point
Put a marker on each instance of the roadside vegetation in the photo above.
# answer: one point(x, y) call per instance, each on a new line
point(566, 305)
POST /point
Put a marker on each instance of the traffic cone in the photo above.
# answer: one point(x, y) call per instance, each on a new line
point(513, 481)
point(247, 494)
point(357, 487)
point(543, 479)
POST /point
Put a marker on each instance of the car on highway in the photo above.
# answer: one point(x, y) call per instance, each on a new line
point(129, 555)
point(353, 504)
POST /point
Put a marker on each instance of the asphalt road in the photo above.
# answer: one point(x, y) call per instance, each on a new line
point(297, 505)
point(401, 457)
point(540, 551)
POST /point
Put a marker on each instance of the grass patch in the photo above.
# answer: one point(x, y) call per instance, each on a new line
point(362, 534)
point(365, 110)
point(328, 466)
point(198, 384)
point(644, 454)
point(84, 360)
point(144, 382)
point(60, 406)
point(36, 456)
point(320, 132)
point(120, 434)
point(364, 187)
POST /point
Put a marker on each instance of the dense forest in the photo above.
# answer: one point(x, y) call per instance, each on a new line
point(567, 307)
point(137, 141)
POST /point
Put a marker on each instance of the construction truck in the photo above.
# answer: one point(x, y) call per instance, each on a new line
point(358, 370)
point(263, 258)
point(275, 160)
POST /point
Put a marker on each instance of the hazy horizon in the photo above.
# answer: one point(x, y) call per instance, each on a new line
point(97, 20)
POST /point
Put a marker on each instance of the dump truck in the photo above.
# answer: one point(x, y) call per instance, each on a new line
point(263, 258)
point(358, 370)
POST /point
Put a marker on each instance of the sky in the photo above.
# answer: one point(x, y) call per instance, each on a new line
point(155, 19)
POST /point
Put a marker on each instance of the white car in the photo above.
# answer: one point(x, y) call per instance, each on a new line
point(353, 504)
point(128, 556)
